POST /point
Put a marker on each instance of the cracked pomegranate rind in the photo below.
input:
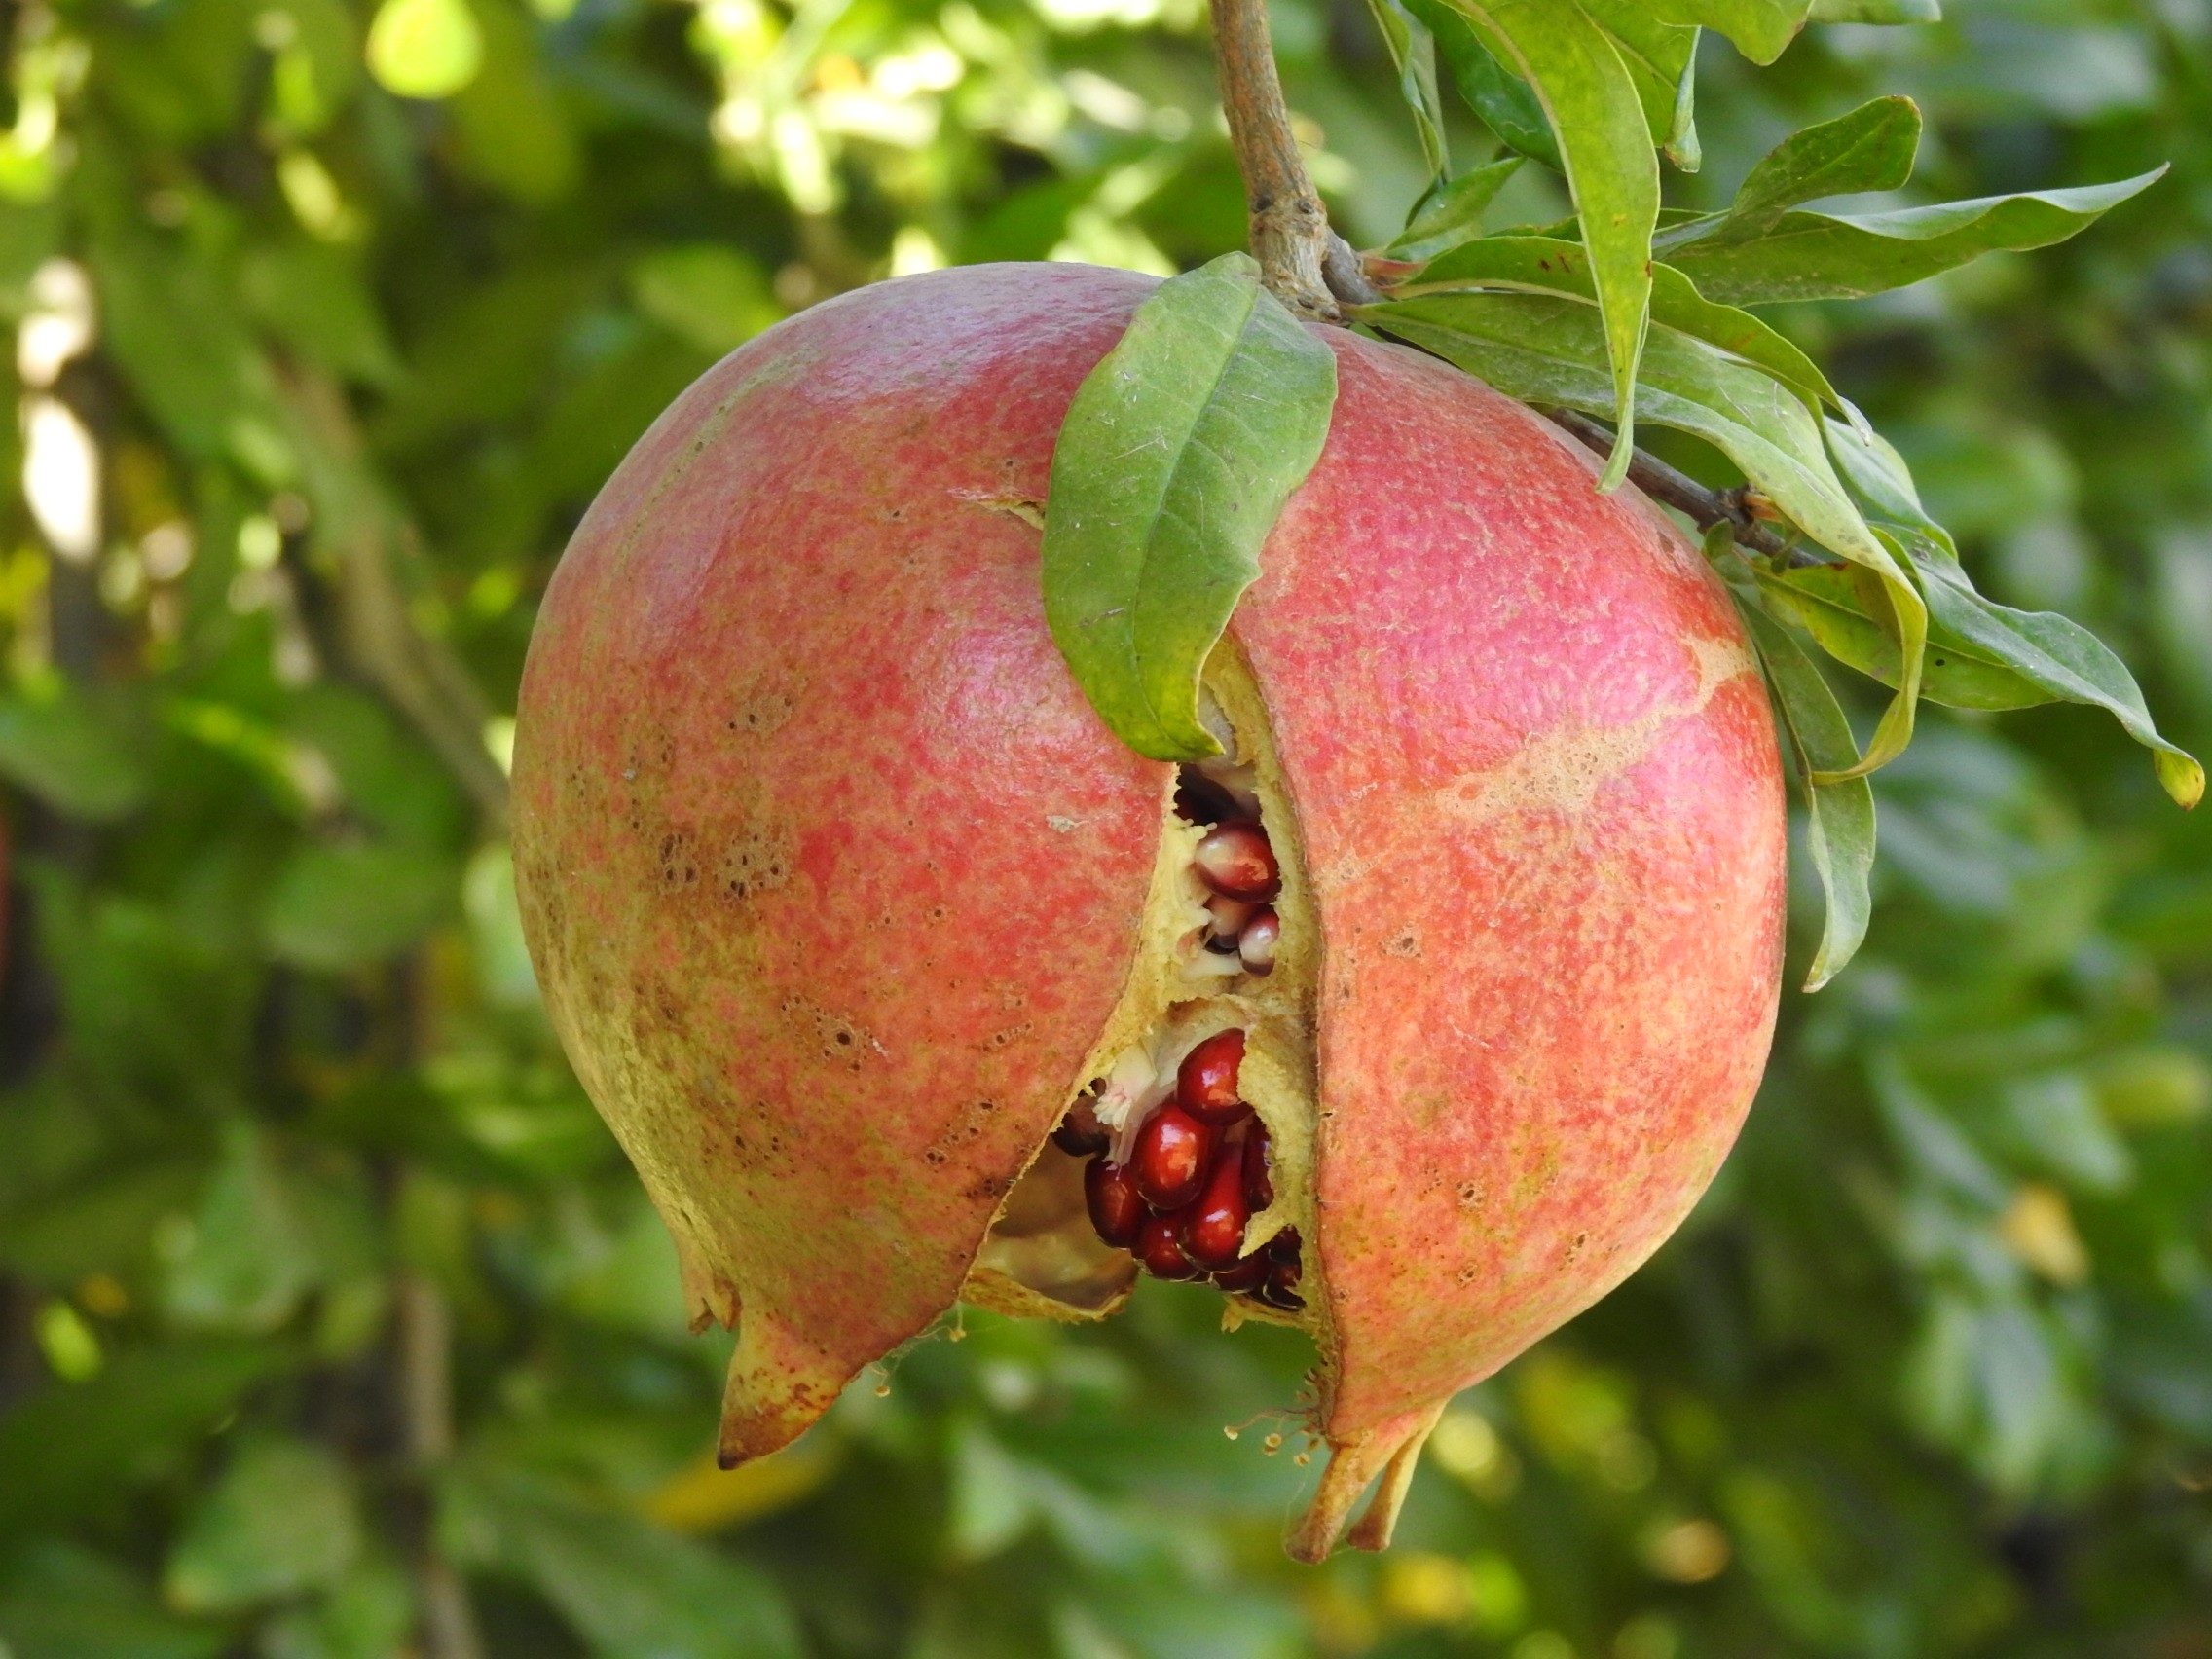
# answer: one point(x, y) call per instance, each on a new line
point(843, 899)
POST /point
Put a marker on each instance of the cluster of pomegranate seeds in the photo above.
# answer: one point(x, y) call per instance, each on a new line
point(1237, 866)
point(1197, 1174)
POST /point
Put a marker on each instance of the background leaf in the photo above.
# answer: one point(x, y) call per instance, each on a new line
point(1174, 460)
point(1828, 256)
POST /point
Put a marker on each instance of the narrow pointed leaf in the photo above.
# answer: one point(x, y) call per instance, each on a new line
point(1452, 214)
point(1871, 148)
point(1839, 816)
point(1174, 460)
point(1759, 28)
point(1553, 265)
point(1591, 100)
point(1829, 605)
point(1507, 105)
point(2052, 657)
point(1662, 60)
point(1413, 50)
point(1543, 349)
point(1832, 256)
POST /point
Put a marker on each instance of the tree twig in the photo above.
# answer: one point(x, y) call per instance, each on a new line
point(1679, 491)
point(422, 1359)
point(1290, 227)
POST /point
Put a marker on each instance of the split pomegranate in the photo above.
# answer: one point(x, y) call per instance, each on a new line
point(841, 895)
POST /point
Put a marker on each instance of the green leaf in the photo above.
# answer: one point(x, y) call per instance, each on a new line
point(367, 1615)
point(77, 1448)
point(1173, 462)
point(1760, 29)
point(631, 1589)
point(1413, 50)
point(281, 1521)
point(1829, 604)
point(1839, 816)
point(243, 1261)
point(61, 1602)
point(1594, 111)
point(1507, 105)
point(1552, 265)
point(73, 753)
point(1871, 148)
point(1452, 211)
point(1877, 11)
point(1543, 349)
point(713, 296)
point(2054, 657)
point(1830, 256)
point(1662, 60)
point(2055, 654)
point(338, 907)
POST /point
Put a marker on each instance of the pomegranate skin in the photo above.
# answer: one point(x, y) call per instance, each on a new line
point(830, 873)
point(832, 877)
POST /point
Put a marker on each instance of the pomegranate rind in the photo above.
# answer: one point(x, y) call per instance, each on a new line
point(1536, 778)
point(830, 873)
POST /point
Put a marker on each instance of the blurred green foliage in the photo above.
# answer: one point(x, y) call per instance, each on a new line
point(332, 1325)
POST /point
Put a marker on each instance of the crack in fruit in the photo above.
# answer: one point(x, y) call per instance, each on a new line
point(1178, 1162)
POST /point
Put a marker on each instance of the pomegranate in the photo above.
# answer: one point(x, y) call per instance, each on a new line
point(842, 896)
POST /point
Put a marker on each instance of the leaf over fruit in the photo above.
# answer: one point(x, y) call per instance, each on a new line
point(1174, 460)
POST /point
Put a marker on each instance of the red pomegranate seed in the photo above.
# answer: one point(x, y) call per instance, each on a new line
point(1116, 1210)
point(1247, 1275)
point(1163, 1257)
point(1173, 1152)
point(1205, 1084)
point(1256, 944)
point(1213, 1228)
point(1236, 861)
point(1284, 1247)
point(1258, 1187)
point(1281, 1288)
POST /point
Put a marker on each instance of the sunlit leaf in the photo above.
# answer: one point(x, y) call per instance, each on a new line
point(1550, 265)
